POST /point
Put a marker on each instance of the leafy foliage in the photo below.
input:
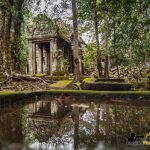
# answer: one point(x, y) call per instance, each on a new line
point(19, 53)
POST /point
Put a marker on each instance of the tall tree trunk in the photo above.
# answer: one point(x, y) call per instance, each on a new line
point(98, 53)
point(75, 42)
point(116, 61)
point(18, 21)
point(18, 18)
point(7, 46)
point(5, 29)
point(2, 28)
point(106, 30)
point(114, 41)
point(10, 30)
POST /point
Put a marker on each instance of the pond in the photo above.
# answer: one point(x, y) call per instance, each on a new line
point(49, 124)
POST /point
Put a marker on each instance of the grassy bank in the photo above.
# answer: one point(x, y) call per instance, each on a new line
point(83, 94)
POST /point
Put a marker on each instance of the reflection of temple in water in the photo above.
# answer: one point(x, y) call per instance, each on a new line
point(47, 110)
point(46, 119)
point(50, 123)
point(43, 109)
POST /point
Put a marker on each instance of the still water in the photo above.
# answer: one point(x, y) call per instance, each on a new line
point(52, 124)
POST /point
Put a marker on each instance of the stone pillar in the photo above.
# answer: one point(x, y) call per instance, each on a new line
point(30, 58)
point(50, 59)
point(53, 56)
point(36, 58)
point(33, 57)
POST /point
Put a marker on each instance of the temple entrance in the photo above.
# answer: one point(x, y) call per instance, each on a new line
point(43, 58)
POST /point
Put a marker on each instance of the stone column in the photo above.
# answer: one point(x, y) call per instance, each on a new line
point(35, 51)
point(53, 56)
point(30, 57)
point(33, 58)
point(50, 59)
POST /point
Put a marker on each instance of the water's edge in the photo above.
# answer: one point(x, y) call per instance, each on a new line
point(84, 94)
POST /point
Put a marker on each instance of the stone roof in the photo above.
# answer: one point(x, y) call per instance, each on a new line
point(43, 27)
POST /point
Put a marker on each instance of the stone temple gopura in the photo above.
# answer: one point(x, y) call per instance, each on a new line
point(49, 44)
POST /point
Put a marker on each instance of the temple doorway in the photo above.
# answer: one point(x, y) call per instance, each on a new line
point(43, 58)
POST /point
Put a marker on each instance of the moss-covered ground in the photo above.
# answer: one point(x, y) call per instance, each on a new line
point(63, 84)
point(136, 96)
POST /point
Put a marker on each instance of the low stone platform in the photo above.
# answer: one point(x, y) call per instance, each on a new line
point(102, 86)
point(60, 73)
point(110, 80)
point(105, 84)
point(63, 84)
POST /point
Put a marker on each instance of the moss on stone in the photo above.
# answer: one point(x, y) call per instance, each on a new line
point(60, 73)
point(84, 77)
point(89, 80)
point(103, 86)
point(99, 96)
point(39, 75)
point(110, 80)
point(61, 84)
point(57, 78)
point(91, 84)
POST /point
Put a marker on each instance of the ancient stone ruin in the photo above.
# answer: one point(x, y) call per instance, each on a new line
point(49, 45)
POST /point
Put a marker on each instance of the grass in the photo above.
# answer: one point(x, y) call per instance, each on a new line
point(75, 91)
point(136, 96)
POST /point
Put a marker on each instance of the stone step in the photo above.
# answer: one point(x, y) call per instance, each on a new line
point(109, 86)
point(63, 84)
point(110, 80)
point(60, 73)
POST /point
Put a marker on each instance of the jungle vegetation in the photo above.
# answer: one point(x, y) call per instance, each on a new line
point(117, 32)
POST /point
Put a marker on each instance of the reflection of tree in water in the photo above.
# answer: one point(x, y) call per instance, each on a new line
point(42, 130)
point(120, 121)
point(51, 125)
point(12, 127)
point(114, 125)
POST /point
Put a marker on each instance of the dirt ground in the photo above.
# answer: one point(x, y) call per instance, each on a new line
point(22, 84)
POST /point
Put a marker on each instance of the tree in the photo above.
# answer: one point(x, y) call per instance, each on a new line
point(99, 67)
point(5, 30)
point(89, 12)
point(12, 19)
point(75, 42)
point(106, 30)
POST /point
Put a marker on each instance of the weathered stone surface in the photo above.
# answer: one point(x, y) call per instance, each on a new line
point(60, 73)
point(44, 44)
point(47, 38)
point(103, 86)
point(63, 84)
point(110, 80)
